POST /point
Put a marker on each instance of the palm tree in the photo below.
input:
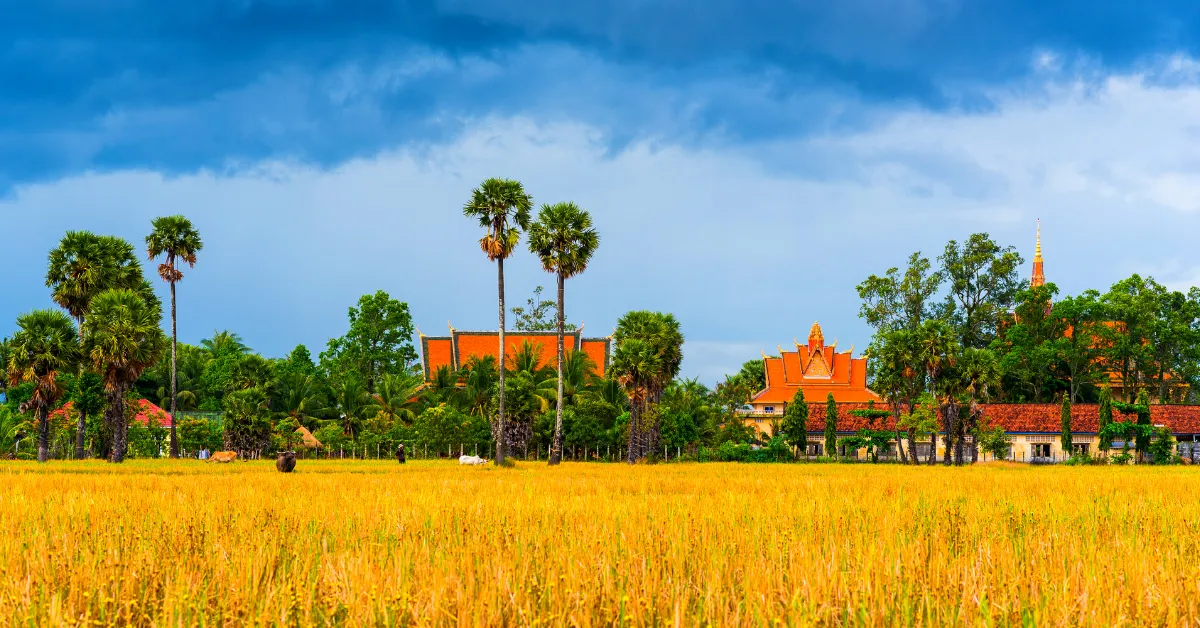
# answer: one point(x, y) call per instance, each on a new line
point(122, 338)
point(178, 239)
point(224, 343)
point(84, 264)
point(502, 207)
point(936, 346)
point(563, 238)
point(45, 346)
point(649, 353)
point(301, 399)
point(396, 395)
point(479, 377)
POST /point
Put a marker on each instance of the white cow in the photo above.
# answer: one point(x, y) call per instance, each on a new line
point(471, 460)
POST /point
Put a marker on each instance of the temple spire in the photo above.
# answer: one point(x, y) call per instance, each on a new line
point(1039, 274)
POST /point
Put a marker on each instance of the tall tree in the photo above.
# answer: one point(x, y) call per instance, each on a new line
point(503, 208)
point(175, 237)
point(896, 301)
point(564, 240)
point(379, 341)
point(1131, 306)
point(982, 287)
point(977, 372)
point(45, 346)
point(1106, 419)
point(1067, 441)
point(1079, 352)
point(937, 347)
point(1029, 346)
point(122, 338)
point(795, 422)
point(831, 419)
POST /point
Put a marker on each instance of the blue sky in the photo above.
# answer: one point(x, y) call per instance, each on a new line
point(747, 162)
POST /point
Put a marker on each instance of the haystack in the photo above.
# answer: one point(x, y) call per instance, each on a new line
point(307, 440)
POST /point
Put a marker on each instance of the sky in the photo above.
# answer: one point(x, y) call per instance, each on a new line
point(746, 163)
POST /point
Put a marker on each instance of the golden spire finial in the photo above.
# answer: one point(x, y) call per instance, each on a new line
point(1037, 252)
point(815, 337)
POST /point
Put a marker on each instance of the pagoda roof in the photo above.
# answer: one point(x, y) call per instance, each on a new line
point(819, 370)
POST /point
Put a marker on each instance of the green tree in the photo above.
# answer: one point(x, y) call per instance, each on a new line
point(982, 287)
point(247, 420)
point(1131, 306)
point(83, 265)
point(649, 353)
point(1067, 442)
point(45, 346)
point(795, 422)
point(831, 420)
point(1029, 348)
point(122, 338)
point(937, 347)
point(175, 237)
point(503, 208)
point(87, 395)
point(378, 343)
point(1106, 419)
point(1083, 322)
point(538, 314)
point(564, 239)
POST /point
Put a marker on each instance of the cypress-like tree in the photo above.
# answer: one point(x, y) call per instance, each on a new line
point(1106, 418)
point(795, 422)
point(1066, 426)
point(830, 426)
point(1143, 418)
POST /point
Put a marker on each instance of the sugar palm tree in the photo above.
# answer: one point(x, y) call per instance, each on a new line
point(502, 207)
point(45, 346)
point(175, 237)
point(122, 338)
point(564, 239)
point(396, 395)
point(84, 264)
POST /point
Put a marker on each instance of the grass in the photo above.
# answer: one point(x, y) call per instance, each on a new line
point(373, 543)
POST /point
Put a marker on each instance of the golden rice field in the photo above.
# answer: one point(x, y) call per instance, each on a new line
point(156, 543)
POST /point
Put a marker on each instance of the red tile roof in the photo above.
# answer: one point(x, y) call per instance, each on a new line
point(1022, 418)
point(145, 411)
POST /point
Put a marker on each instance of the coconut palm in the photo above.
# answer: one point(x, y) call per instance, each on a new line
point(122, 338)
point(563, 238)
point(479, 377)
point(301, 399)
point(396, 395)
point(175, 237)
point(45, 346)
point(502, 207)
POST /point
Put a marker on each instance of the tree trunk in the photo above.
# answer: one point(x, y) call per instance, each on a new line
point(43, 429)
point(80, 430)
point(556, 452)
point(949, 420)
point(498, 432)
point(635, 413)
point(116, 409)
point(896, 426)
point(174, 377)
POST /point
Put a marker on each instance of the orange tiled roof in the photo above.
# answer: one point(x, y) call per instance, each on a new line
point(455, 350)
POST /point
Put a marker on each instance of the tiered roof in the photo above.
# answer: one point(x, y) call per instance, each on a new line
point(818, 370)
point(457, 349)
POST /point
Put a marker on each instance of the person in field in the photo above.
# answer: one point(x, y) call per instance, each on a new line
point(400, 453)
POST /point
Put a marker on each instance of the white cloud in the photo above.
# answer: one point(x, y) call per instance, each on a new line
point(747, 242)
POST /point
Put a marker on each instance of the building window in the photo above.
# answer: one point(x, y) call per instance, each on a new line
point(1079, 449)
point(1039, 450)
point(814, 449)
point(769, 409)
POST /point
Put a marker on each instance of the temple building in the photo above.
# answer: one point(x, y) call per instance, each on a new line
point(459, 347)
point(817, 369)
